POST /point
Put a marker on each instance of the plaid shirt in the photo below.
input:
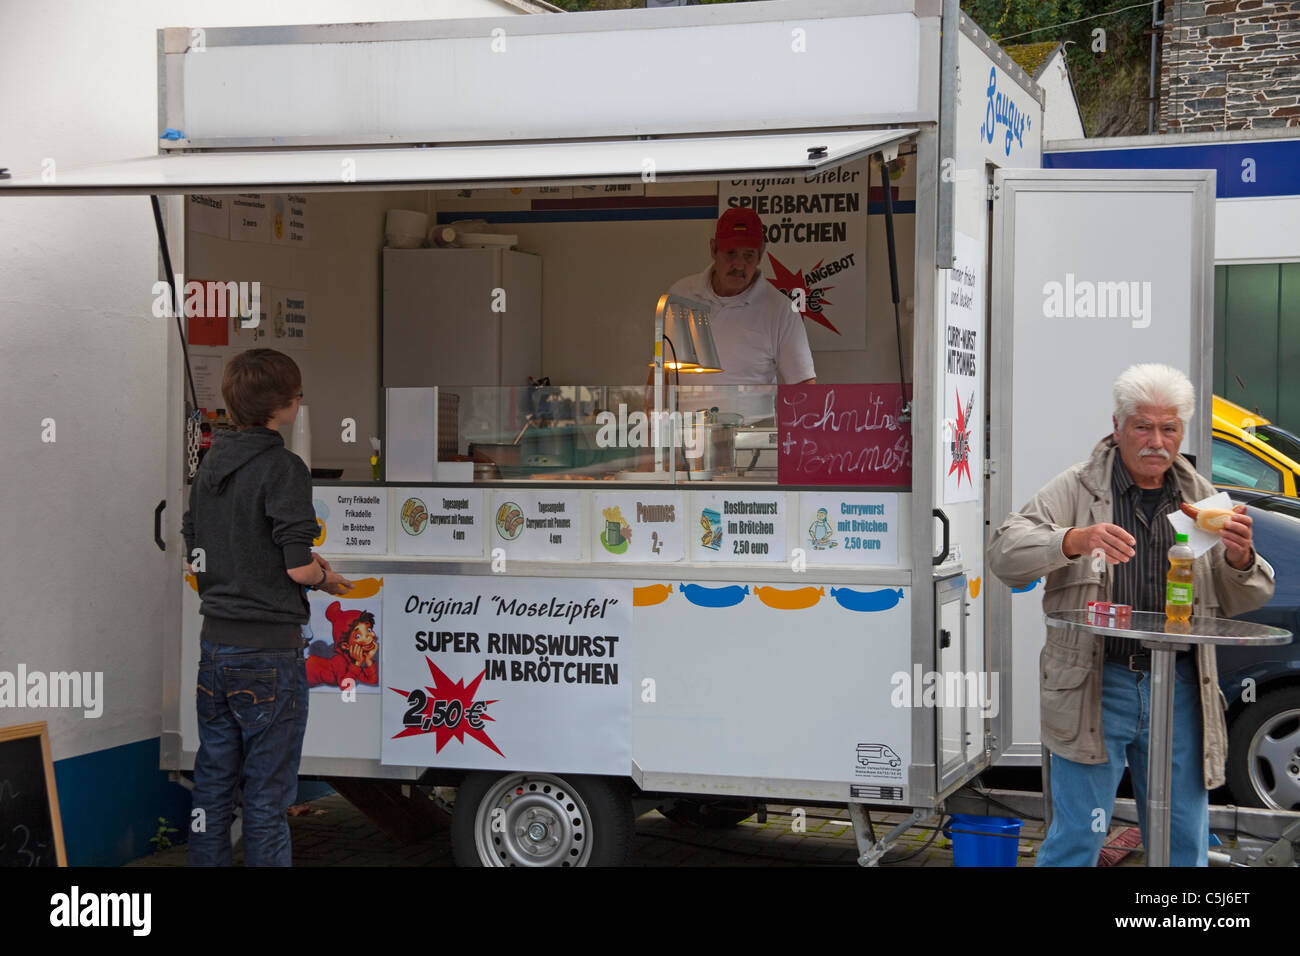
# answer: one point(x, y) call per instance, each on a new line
point(1140, 581)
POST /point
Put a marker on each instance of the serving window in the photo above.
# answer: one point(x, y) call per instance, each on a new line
point(529, 312)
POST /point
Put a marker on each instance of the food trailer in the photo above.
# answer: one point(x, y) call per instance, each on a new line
point(573, 591)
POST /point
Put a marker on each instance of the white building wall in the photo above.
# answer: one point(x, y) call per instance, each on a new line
point(1257, 230)
point(1061, 118)
point(78, 345)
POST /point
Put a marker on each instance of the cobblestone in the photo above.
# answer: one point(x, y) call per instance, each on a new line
point(343, 836)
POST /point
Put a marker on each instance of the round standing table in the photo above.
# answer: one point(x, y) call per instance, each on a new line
point(1164, 639)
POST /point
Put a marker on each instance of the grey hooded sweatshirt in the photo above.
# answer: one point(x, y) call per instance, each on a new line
point(251, 513)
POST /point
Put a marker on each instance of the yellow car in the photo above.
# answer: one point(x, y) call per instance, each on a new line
point(1252, 452)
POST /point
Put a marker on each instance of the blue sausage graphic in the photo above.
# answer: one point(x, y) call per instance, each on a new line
point(729, 596)
point(1028, 587)
point(881, 600)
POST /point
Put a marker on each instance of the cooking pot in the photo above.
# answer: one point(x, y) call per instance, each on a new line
point(499, 453)
point(711, 446)
point(548, 447)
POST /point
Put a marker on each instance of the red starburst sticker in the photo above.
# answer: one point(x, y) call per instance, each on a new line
point(960, 445)
point(446, 710)
point(794, 285)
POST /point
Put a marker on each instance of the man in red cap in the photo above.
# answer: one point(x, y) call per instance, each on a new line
point(755, 327)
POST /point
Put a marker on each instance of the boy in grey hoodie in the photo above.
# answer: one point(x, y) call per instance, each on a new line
point(248, 534)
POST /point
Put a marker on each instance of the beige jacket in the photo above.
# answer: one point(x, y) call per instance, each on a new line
point(1029, 545)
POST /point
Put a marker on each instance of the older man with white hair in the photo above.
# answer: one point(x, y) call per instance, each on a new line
point(1096, 692)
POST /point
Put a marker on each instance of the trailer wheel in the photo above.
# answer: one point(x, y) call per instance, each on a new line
point(1264, 752)
point(539, 819)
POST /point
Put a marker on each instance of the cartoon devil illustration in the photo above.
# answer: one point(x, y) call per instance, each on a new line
point(356, 650)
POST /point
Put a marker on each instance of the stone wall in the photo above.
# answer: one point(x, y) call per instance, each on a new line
point(1229, 64)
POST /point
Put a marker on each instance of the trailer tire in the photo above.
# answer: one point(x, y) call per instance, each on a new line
point(540, 819)
point(707, 814)
point(1263, 771)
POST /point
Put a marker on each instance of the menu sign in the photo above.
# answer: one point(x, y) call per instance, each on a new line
point(849, 527)
point(499, 671)
point(816, 231)
point(249, 221)
point(209, 215)
point(289, 319)
point(638, 526)
point(963, 373)
point(843, 435)
point(738, 526)
point(440, 522)
point(536, 525)
point(289, 220)
point(355, 519)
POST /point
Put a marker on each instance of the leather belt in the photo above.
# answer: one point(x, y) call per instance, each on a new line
point(1141, 661)
point(1138, 662)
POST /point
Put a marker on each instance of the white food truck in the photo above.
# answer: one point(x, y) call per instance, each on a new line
point(554, 624)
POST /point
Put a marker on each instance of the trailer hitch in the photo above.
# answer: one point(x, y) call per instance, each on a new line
point(1285, 851)
point(870, 851)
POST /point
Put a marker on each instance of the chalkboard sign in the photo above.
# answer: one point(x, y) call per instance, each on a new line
point(843, 435)
point(31, 832)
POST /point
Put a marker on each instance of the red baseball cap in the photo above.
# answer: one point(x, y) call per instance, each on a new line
point(739, 227)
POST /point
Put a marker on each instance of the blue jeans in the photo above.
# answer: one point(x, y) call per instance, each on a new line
point(1080, 790)
point(252, 707)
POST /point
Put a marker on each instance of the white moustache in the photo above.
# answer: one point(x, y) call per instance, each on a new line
point(1147, 452)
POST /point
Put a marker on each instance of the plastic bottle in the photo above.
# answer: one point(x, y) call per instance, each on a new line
point(300, 436)
point(1178, 587)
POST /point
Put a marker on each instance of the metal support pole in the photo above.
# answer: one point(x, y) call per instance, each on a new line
point(660, 320)
point(1155, 34)
point(1046, 763)
point(1160, 752)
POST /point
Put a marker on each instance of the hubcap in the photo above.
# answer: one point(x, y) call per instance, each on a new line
point(1275, 761)
point(532, 820)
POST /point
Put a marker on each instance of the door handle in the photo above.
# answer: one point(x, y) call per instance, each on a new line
point(943, 555)
point(157, 525)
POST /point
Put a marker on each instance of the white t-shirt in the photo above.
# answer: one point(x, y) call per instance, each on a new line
point(756, 333)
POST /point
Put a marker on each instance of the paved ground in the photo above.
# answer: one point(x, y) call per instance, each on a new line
point(334, 833)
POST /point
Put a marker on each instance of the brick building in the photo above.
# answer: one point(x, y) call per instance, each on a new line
point(1229, 65)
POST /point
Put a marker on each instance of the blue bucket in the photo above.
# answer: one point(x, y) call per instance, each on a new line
point(983, 841)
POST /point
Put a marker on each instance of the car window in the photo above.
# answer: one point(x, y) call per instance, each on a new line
point(1282, 506)
point(1280, 440)
point(1234, 465)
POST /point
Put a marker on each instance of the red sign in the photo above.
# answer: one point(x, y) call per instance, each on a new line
point(843, 435)
point(208, 312)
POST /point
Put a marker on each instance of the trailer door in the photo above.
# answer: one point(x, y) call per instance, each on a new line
point(1093, 271)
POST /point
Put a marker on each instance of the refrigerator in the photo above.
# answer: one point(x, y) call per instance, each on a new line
point(468, 321)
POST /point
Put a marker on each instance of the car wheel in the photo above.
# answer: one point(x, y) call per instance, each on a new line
point(1264, 752)
point(539, 819)
point(709, 814)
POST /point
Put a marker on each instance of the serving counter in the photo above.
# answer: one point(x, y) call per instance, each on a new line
point(658, 632)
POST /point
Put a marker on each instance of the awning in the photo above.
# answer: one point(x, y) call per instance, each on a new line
point(332, 170)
